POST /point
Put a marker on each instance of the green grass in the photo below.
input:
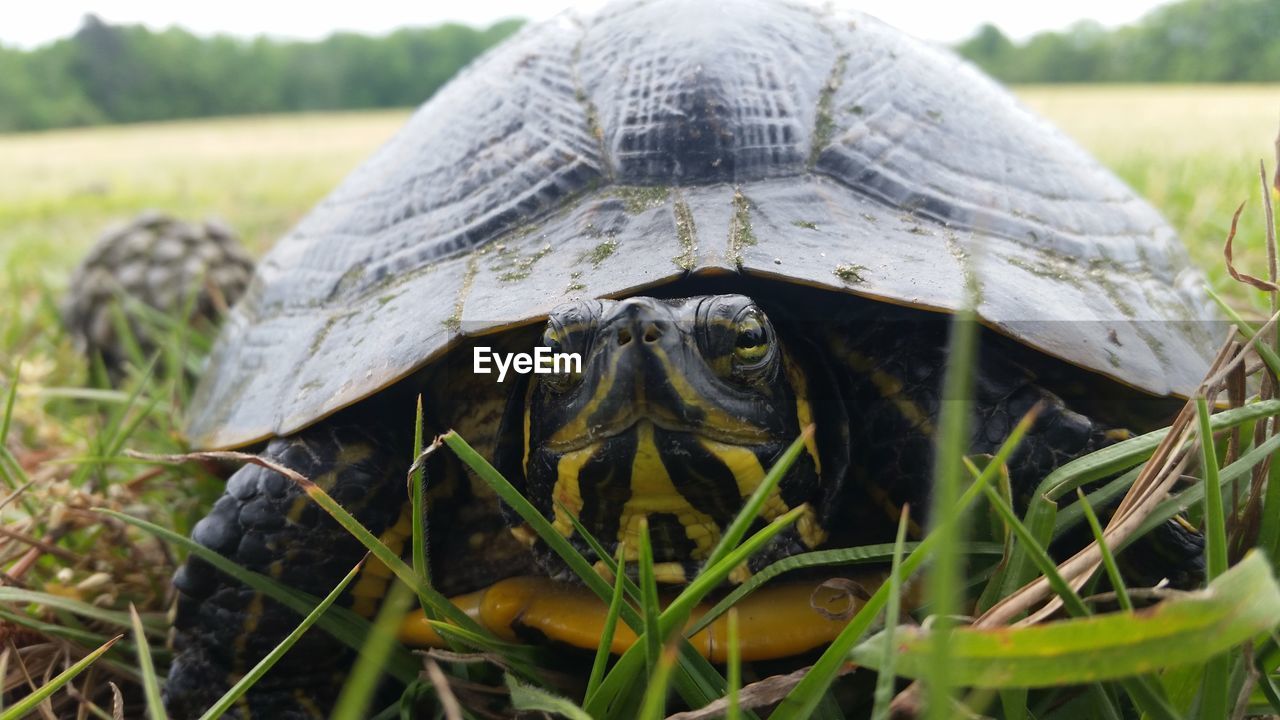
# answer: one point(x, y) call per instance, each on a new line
point(260, 175)
point(1192, 151)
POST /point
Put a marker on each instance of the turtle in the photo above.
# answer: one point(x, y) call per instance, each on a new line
point(734, 222)
point(179, 269)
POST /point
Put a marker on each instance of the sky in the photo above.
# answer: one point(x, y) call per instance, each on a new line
point(29, 24)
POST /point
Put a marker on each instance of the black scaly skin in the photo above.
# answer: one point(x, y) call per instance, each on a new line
point(893, 451)
point(251, 524)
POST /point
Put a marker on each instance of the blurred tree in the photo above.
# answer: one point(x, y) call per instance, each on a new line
point(989, 48)
point(114, 73)
point(1186, 41)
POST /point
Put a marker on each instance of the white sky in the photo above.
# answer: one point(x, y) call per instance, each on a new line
point(26, 24)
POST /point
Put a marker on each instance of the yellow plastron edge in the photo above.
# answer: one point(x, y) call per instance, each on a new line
point(776, 621)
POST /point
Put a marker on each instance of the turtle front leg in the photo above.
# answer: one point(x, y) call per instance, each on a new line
point(780, 620)
point(267, 524)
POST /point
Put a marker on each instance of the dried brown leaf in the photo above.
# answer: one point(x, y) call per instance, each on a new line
point(1272, 268)
point(1229, 254)
point(117, 702)
point(849, 590)
point(222, 455)
point(448, 701)
point(1276, 181)
point(761, 693)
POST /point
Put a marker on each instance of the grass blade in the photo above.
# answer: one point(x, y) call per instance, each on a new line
point(654, 704)
point(1267, 685)
point(1194, 495)
point(357, 692)
point(751, 509)
point(886, 676)
point(1035, 551)
point(1122, 456)
point(733, 712)
point(610, 626)
point(1187, 629)
point(694, 669)
point(991, 593)
point(711, 577)
point(229, 699)
point(540, 525)
point(28, 704)
point(1213, 702)
point(1266, 352)
point(1146, 695)
point(862, 554)
point(945, 584)
point(84, 637)
point(420, 566)
point(1269, 533)
point(10, 399)
point(1108, 559)
point(58, 602)
point(677, 612)
point(1215, 523)
point(649, 607)
point(150, 681)
point(633, 590)
point(1071, 515)
point(528, 698)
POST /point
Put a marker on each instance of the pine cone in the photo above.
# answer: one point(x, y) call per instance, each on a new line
point(162, 263)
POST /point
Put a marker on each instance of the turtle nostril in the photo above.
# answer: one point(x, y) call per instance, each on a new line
point(624, 336)
point(652, 333)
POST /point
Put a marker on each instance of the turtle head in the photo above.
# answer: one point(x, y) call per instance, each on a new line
point(665, 412)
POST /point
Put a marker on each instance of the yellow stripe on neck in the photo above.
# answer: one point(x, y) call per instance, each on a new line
point(804, 413)
point(748, 473)
point(567, 492)
point(371, 585)
point(653, 492)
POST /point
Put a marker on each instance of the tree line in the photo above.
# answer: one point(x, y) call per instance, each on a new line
point(120, 73)
point(1189, 41)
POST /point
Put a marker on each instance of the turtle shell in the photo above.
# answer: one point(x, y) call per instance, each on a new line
point(599, 156)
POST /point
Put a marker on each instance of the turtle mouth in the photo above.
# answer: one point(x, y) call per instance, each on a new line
point(742, 435)
point(680, 488)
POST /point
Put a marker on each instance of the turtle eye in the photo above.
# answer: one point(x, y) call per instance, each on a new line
point(561, 372)
point(753, 340)
point(553, 338)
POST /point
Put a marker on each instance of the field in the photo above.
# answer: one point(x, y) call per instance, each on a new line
point(1192, 151)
